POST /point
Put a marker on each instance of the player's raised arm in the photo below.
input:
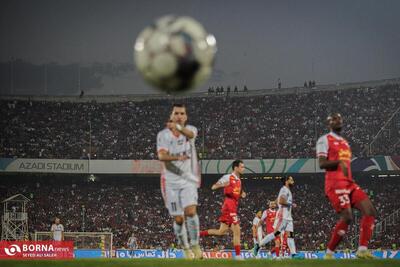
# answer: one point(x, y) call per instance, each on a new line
point(163, 151)
point(163, 155)
point(186, 131)
point(177, 122)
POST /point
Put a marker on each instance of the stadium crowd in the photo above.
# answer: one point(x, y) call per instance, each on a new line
point(262, 126)
point(122, 207)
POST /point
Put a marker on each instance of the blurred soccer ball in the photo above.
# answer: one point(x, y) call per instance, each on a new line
point(175, 54)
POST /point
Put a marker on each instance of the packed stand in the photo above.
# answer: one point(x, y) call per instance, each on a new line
point(248, 127)
point(123, 207)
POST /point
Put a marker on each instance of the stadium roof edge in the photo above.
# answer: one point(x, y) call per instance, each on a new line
point(144, 97)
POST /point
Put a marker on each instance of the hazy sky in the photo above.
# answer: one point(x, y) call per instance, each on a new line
point(258, 41)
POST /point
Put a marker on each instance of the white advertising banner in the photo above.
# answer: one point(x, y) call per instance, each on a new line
point(44, 165)
point(262, 166)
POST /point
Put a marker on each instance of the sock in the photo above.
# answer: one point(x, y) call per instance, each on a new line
point(277, 250)
point(193, 225)
point(291, 245)
point(181, 235)
point(237, 250)
point(204, 233)
point(366, 228)
point(268, 238)
point(338, 232)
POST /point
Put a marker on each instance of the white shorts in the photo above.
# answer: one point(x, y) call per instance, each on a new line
point(283, 225)
point(177, 199)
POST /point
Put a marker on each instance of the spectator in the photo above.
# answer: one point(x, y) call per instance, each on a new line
point(266, 126)
point(124, 206)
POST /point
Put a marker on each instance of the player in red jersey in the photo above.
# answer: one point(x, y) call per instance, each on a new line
point(233, 191)
point(268, 218)
point(334, 155)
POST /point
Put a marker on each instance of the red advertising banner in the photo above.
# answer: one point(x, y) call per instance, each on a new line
point(36, 250)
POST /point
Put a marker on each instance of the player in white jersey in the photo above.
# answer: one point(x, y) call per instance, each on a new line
point(284, 220)
point(180, 178)
point(132, 244)
point(57, 230)
point(257, 228)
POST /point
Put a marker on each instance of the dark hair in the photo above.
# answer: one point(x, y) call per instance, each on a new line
point(178, 105)
point(236, 163)
point(284, 179)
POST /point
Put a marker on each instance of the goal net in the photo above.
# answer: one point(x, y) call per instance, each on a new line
point(84, 240)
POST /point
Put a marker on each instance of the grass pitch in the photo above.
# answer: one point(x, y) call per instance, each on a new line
point(198, 263)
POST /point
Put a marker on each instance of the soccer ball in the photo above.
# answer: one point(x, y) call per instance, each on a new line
point(175, 54)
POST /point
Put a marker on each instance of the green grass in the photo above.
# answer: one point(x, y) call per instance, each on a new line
point(189, 263)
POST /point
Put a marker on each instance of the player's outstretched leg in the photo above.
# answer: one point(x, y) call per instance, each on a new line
point(223, 228)
point(268, 238)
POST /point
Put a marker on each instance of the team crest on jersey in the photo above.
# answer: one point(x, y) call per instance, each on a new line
point(180, 142)
point(344, 154)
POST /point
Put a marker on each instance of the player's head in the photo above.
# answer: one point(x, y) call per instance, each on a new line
point(259, 214)
point(178, 114)
point(238, 166)
point(57, 220)
point(272, 204)
point(288, 181)
point(335, 122)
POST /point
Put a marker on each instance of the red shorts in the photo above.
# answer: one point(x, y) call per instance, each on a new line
point(229, 212)
point(346, 196)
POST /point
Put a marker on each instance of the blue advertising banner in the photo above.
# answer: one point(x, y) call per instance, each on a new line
point(92, 253)
point(226, 254)
point(149, 253)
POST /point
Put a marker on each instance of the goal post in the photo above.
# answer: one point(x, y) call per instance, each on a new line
point(84, 240)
